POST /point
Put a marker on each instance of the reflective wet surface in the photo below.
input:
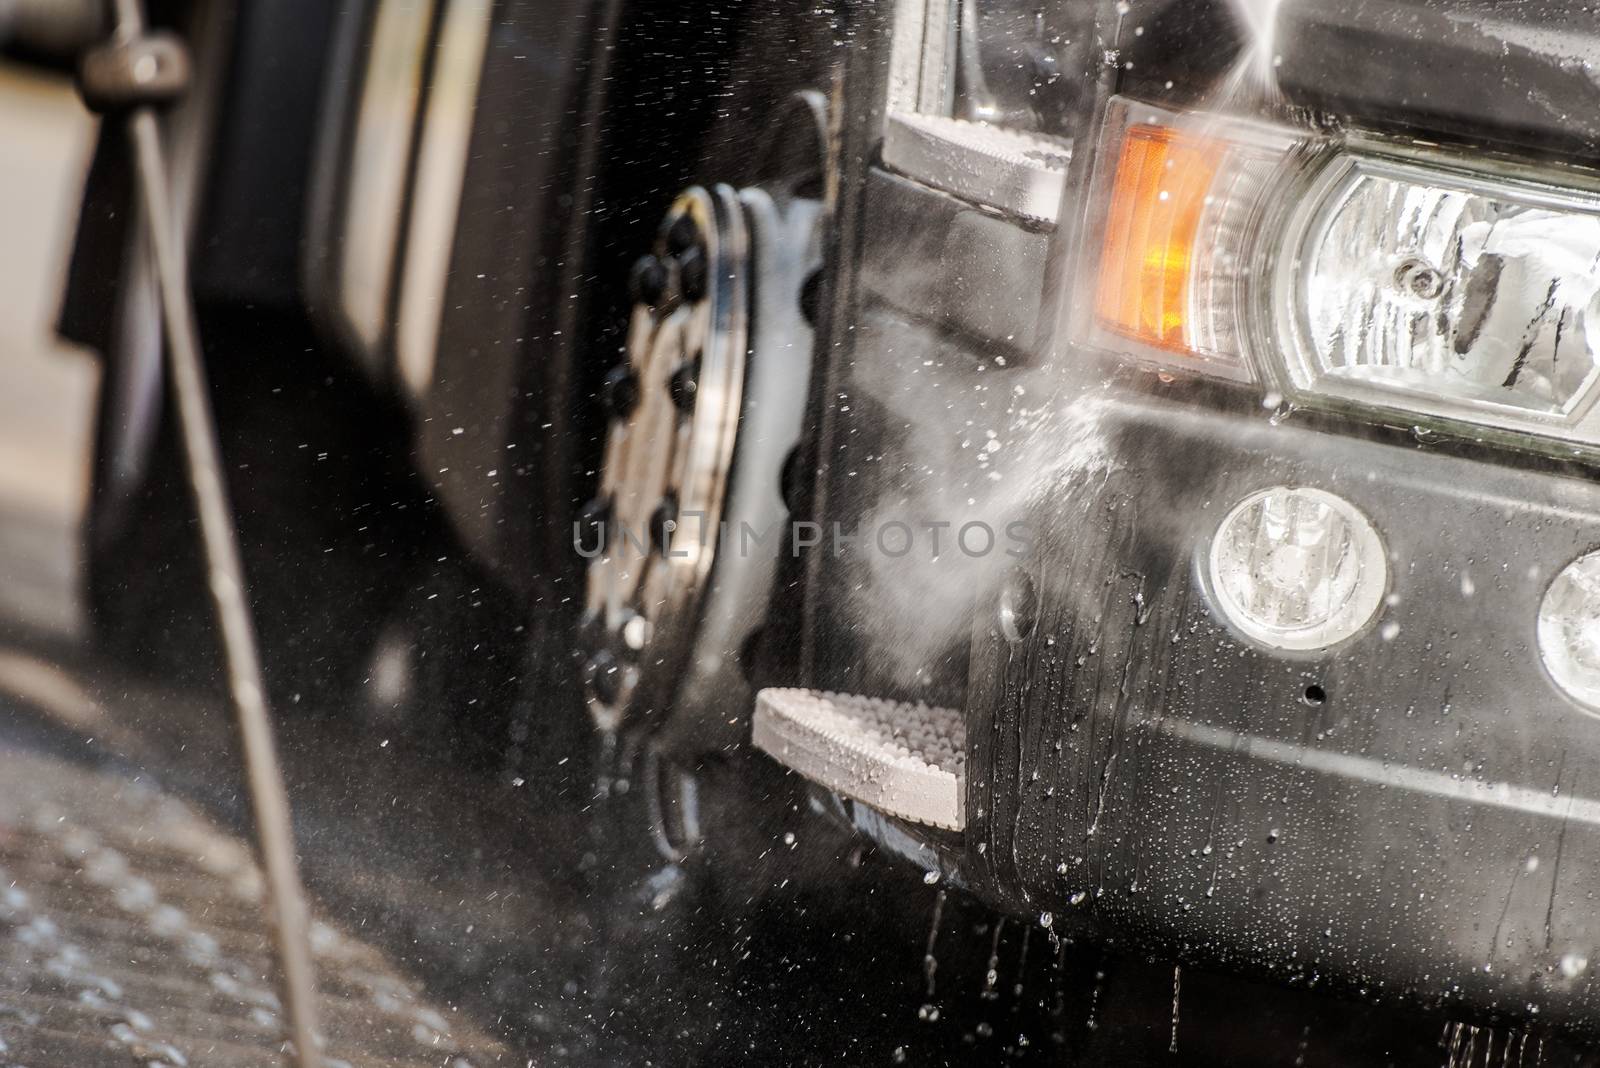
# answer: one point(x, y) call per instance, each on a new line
point(509, 922)
point(132, 933)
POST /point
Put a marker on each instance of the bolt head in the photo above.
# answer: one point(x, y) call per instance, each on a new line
point(602, 677)
point(692, 275)
point(682, 235)
point(620, 391)
point(660, 532)
point(684, 385)
point(647, 281)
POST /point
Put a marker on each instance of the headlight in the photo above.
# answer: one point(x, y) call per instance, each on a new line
point(1297, 568)
point(1569, 630)
point(1464, 296)
point(1350, 274)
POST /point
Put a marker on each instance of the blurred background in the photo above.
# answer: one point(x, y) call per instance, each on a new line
point(50, 386)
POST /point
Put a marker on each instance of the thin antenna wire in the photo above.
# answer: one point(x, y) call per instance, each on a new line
point(268, 797)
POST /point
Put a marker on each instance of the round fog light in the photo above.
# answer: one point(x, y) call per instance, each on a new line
point(1297, 568)
point(1569, 629)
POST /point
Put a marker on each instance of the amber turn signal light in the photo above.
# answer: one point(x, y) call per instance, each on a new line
point(1159, 193)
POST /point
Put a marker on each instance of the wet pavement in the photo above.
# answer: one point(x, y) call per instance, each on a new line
point(132, 933)
point(484, 916)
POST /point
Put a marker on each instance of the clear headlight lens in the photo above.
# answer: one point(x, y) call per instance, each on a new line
point(1297, 568)
point(1465, 296)
point(1569, 630)
point(1352, 274)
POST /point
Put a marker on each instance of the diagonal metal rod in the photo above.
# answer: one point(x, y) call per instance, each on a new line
point(268, 798)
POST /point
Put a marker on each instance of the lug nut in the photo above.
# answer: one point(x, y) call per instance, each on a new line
point(593, 525)
point(682, 235)
point(648, 280)
point(684, 384)
point(602, 677)
point(660, 532)
point(692, 275)
point(620, 391)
